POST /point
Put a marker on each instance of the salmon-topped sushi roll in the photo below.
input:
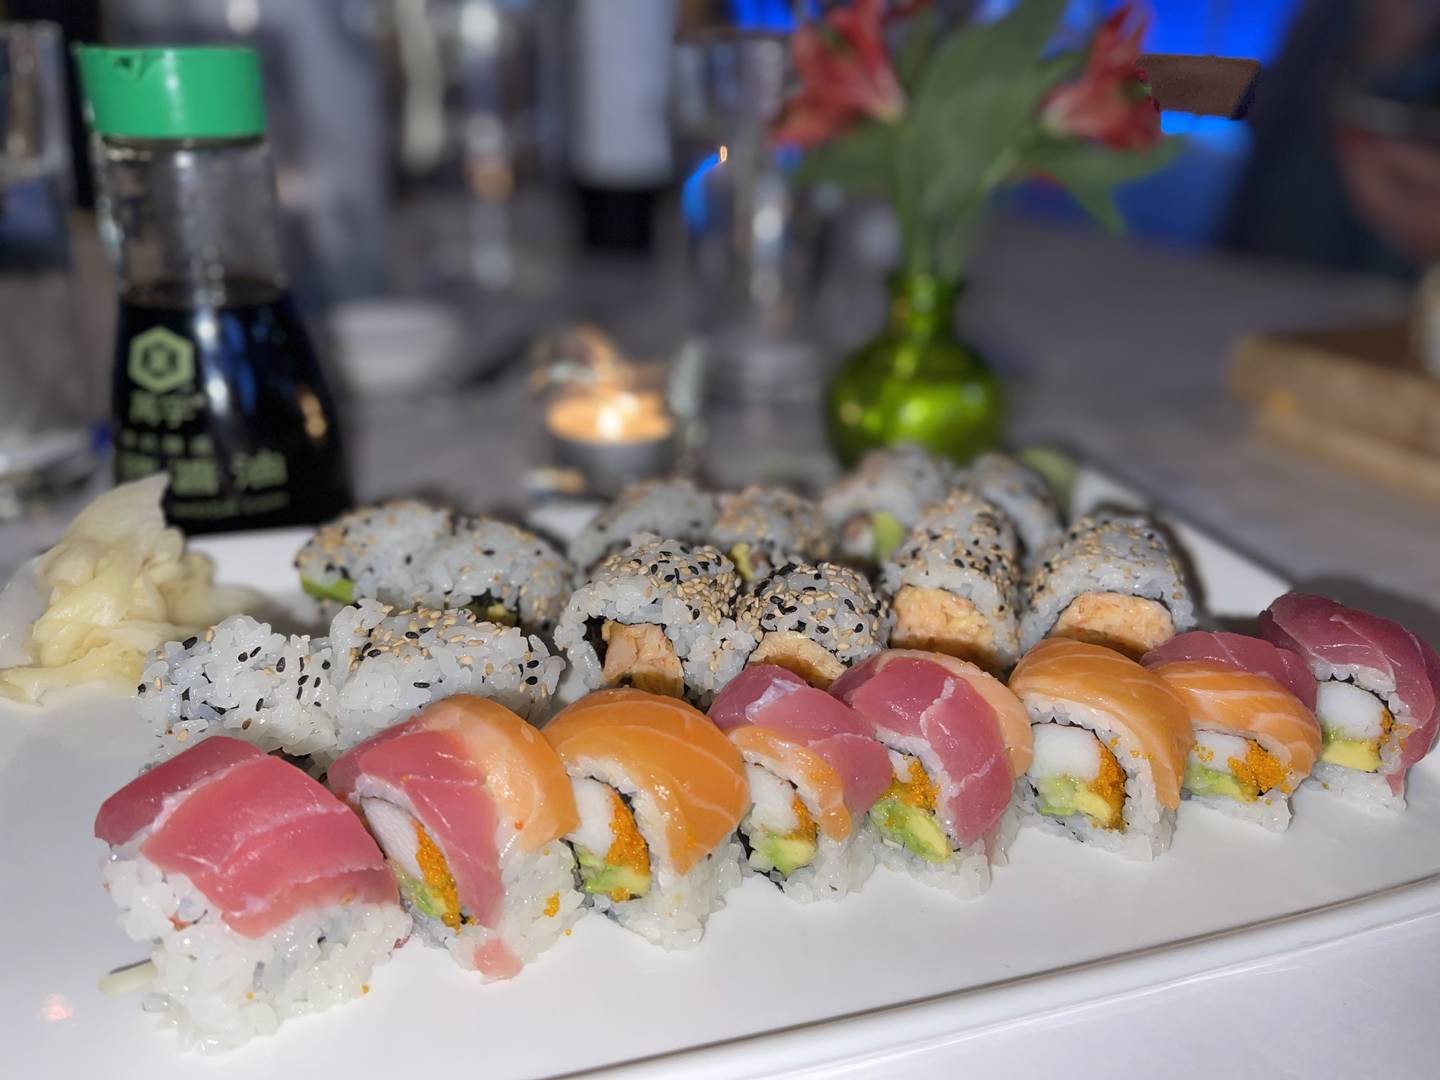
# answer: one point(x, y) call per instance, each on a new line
point(469, 803)
point(1111, 743)
point(660, 792)
point(815, 770)
point(956, 739)
point(260, 893)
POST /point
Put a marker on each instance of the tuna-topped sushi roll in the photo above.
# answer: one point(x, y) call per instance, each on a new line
point(1022, 494)
point(1378, 699)
point(659, 616)
point(371, 552)
point(469, 803)
point(1111, 743)
point(953, 584)
point(1240, 651)
point(956, 739)
point(393, 665)
point(1254, 740)
point(499, 571)
point(876, 504)
point(1110, 580)
point(660, 793)
point(814, 620)
point(261, 895)
point(815, 770)
point(241, 678)
point(675, 508)
point(763, 528)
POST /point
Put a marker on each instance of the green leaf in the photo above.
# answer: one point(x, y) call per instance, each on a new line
point(921, 33)
point(862, 160)
point(1090, 172)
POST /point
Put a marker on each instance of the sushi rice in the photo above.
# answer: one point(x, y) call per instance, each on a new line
point(675, 508)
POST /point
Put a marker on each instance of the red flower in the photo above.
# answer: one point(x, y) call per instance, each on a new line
point(1110, 102)
point(844, 74)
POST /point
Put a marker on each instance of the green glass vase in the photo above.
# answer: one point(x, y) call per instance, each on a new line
point(916, 382)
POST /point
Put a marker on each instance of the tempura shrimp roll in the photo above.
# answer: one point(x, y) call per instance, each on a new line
point(1111, 743)
point(763, 528)
point(660, 792)
point(1255, 741)
point(1111, 580)
point(1378, 694)
point(259, 892)
point(469, 803)
point(874, 505)
point(953, 584)
point(1021, 493)
point(814, 620)
point(956, 739)
point(815, 769)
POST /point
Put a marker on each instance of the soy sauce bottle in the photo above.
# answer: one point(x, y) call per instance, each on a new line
point(215, 378)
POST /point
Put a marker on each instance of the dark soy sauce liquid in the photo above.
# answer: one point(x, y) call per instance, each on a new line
point(230, 400)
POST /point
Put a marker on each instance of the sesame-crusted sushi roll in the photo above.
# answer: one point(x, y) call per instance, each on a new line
point(956, 740)
point(658, 616)
point(501, 572)
point(1255, 741)
point(660, 792)
point(762, 528)
point(241, 678)
point(469, 803)
point(260, 894)
point(375, 552)
point(1111, 580)
point(393, 665)
point(953, 584)
point(814, 620)
point(1022, 494)
point(880, 500)
point(815, 770)
point(675, 508)
point(1111, 741)
point(1377, 698)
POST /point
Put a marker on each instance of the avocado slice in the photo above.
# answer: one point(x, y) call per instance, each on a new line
point(491, 611)
point(1200, 780)
point(887, 533)
point(1061, 796)
point(1363, 755)
point(414, 892)
point(787, 853)
point(740, 556)
point(342, 591)
point(912, 827)
point(616, 882)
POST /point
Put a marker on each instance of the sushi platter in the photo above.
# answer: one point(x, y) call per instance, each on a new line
point(774, 986)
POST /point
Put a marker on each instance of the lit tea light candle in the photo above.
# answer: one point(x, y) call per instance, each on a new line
point(613, 436)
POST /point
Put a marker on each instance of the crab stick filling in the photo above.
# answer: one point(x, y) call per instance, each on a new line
point(938, 621)
point(1074, 773)
point(1241, 769)
point(780, 831)
point(1130, 624)
point(419, 864)
point(1354, 724)
point(612, 856)
point(641, 656)
point(905, 814)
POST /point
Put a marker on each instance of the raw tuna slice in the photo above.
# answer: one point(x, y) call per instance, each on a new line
point(1252, 654)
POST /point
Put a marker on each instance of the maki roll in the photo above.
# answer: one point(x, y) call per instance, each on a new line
point(762, 528)
point(660, 792)
point(815, 770)
point(876, 504)
point(1254, 740)
point(1021, 493)
point(408, 554)
point(393, 665)
point(373, 552)
point(1111, 580)
point(241, 678)
point(1111, 744)
point(953, 584)
point(659, 616)
point(814, 620)
point(956, 739)
point(675, 508)
point(502, 573)
point(469, 803)
point(261, 895)
point(1377, 699)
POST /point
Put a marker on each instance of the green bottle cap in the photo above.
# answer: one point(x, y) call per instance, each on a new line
point(172, 93)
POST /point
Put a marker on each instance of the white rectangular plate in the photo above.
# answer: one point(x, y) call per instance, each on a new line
point(900, 963)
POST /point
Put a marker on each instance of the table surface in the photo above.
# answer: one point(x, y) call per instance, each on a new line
point(1118, 352)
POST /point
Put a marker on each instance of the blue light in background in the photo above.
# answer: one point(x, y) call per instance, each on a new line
point(772, 15)
point(692, 192)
